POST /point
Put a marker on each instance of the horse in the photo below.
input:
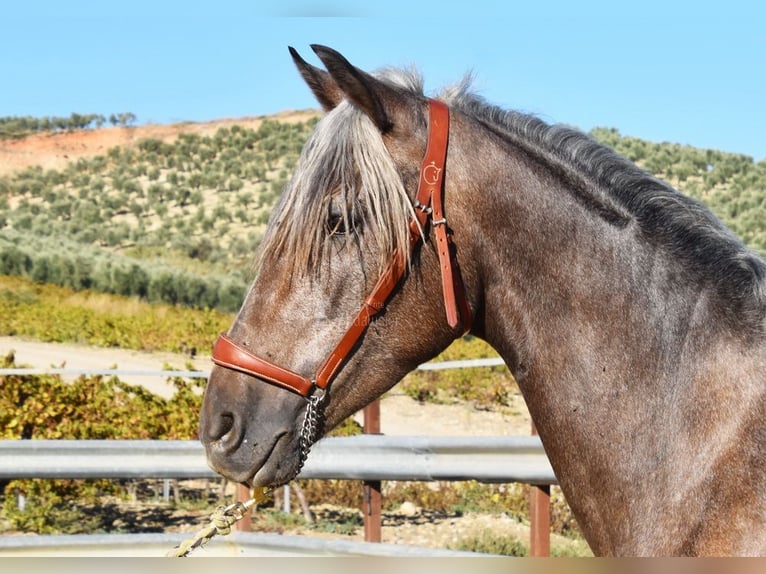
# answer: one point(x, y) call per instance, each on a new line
point(633, 319)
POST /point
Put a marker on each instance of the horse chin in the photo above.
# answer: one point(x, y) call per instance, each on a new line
point(273, 475)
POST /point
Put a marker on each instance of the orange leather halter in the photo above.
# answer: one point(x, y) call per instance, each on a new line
point(429, 202)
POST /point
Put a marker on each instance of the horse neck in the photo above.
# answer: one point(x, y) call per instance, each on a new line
point(606, 340)
point(559, 275)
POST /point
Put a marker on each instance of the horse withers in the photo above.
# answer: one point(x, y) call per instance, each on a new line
point(632, 319)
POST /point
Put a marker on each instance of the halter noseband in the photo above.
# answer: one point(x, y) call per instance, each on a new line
point(429, 203)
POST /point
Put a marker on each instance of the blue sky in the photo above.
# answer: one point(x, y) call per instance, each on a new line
point(685, 72)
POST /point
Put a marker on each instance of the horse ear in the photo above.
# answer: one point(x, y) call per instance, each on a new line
point(375, 98)
point(320, 82)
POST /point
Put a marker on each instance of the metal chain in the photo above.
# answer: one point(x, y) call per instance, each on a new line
point(310, 427)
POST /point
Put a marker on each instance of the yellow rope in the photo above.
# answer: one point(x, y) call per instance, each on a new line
point(221, 521)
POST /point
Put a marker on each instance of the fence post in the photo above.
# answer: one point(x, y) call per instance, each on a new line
point(246, 524)
point(539, 517)
point(371, 505)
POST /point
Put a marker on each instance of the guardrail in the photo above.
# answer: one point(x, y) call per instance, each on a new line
point(361, 457)
point(236, 544)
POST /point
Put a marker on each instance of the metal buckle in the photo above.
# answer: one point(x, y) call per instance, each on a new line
point(424, 208)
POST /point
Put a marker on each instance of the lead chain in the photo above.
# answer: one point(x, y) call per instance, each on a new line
point(310, 427)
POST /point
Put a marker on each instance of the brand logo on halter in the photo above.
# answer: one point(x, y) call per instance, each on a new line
point(431, 173)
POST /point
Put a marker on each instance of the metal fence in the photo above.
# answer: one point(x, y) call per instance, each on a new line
point(189, 374)
point(260, 544)
point(361, 457)
point(369, 458)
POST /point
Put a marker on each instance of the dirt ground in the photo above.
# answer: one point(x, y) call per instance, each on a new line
point(56, 150)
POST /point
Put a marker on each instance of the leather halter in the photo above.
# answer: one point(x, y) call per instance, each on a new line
point(429, 203)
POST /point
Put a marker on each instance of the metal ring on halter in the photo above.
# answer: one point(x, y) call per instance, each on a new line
point(441, 221)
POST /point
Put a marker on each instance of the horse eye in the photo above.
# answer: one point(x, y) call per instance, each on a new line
point(336, 224)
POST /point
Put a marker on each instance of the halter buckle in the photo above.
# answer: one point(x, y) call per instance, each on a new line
point(424, 208)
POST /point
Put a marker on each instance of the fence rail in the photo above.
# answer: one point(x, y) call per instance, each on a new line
point(361, 457)
point(247, 544)
point(193, 374)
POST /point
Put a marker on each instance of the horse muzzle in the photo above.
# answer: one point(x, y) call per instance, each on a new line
point(244, 441)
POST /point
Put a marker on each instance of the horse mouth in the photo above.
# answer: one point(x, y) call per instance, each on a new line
point(253, 465)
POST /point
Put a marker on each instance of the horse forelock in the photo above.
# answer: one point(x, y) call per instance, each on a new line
point(344, 164)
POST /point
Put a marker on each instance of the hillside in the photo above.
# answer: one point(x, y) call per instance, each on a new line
point(166, 213)
point(51, 150)
point(173, 213)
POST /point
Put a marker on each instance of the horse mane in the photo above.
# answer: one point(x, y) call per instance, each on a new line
point(617, 190)
point(346, 161)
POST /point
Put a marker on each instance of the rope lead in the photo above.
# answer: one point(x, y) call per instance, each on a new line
point(221, 521)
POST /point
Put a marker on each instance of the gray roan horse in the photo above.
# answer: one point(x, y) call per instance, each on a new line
point(632, 319)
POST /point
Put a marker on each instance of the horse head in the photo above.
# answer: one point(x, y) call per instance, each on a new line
point(346, 298)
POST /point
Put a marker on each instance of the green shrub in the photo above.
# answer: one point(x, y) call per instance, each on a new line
point(484, 387)
point(56, 314)
point(489, 542)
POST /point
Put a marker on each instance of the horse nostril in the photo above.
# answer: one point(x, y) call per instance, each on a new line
point(222, 425)
point(226, 423)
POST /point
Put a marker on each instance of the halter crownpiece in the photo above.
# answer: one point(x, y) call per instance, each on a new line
point(429, 202)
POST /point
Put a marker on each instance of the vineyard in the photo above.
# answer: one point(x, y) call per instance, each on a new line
point(165, 222)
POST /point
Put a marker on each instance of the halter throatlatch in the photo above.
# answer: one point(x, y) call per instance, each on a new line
point(429, 206)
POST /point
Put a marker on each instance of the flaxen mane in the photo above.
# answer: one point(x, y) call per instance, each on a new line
point(345, 189)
